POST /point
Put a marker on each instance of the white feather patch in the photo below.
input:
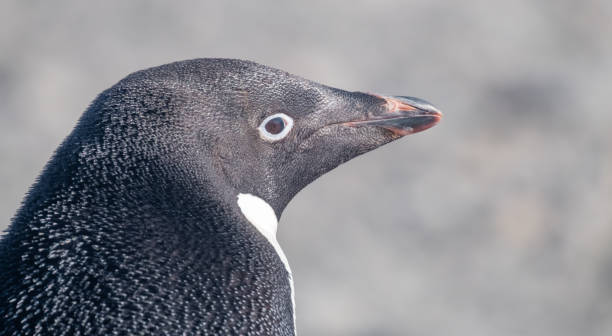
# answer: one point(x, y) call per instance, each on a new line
point(262, 216)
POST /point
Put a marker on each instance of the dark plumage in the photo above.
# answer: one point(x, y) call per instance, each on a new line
point(133, 226)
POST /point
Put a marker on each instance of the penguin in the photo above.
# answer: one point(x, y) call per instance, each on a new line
point(157, 215)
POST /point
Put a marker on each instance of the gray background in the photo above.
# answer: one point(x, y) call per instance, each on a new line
point(498, 221)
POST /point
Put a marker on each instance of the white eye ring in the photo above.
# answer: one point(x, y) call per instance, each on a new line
point(267, 135)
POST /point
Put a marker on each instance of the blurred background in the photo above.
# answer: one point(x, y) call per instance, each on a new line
point(498, 221)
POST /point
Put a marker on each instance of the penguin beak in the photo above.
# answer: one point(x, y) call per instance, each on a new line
point(402, 115)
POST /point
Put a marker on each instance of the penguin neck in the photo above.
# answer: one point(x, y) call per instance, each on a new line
point(259, 213)
point(184, 239)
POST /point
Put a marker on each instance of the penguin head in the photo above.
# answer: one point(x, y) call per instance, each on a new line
point(251, 129)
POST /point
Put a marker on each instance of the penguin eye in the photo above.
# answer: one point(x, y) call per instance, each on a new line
point(275, 127)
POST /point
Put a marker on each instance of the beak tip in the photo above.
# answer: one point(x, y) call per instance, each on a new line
point(402, 115)
point(418, 103)
point(426, 115)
